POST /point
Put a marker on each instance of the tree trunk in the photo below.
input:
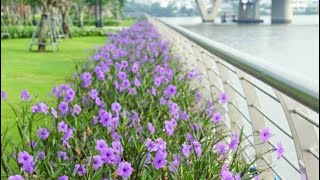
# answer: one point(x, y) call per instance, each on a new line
point(65, 25)
point(43, 32)
point(80, 16)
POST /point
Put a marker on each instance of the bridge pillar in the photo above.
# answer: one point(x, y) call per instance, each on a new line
point(281, 11)
point(249, 12)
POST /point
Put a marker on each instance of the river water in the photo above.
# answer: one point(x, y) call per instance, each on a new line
point(293, 47)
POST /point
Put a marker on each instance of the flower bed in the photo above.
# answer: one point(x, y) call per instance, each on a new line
point(128, 113)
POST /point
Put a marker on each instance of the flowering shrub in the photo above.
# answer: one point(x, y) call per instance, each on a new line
point(128, 113)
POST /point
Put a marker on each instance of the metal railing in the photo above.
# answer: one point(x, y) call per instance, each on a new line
point(295, 95)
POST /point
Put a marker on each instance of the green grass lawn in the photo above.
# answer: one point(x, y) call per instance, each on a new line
point(39, 72)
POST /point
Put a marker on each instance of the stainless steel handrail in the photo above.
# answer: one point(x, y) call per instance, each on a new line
point(302, 90)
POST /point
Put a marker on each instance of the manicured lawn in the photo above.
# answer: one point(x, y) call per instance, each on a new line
point(39, 72)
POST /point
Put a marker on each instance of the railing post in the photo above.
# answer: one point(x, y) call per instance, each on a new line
point(304, 136)
point(258, 123)
point(235, 117)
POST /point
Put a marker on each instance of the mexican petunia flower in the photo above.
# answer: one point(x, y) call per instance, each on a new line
point(217, 118)
point(265, 135)
point(97, 162)
point(77, 109)
point(101, 145)
point(186, 149)
point(62, 127)
point(171, 90)
point(62, 155)
point(80, 169)
point(124, 169)
point(221, 148)
point(3, 95)
point(63, 107)
point(234, 142)
point(116, 107)
point(64, 177)
point(25, 95)
point(223, 99)
point(279, 151)
point(16, 177)
point(43, 133)
point(151, 128)
point(160, 160)
point(169, 127)
point(24, 157)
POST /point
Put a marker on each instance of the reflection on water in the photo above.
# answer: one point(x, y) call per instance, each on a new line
point(290, 46)
point(293, 46)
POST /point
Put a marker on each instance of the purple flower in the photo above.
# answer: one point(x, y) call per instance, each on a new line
point(265, 134)
point(116, 107)
point(171, 90)
point(124, 169)
point(160, 160)
point(68, 134)
point(190, 137)
point(122, 75)
point(226, 175)
point(25, 95)
point(93, 94)
point(192, 74)
point(77, 109)
point(64, 177)
point(279, 151)
point(41, 155)
point(117, 147)
point(63, 107)
point(137, 83)
point(43, 133)
point(197, 148)
point(16, 177)
point(125, 84)
point(80, 169)
point(151, 146)
point(106, 119)
point(33, 144)
point(24, 157)
point(186, 149)
point(70, 93)
point(221, 148)
point(151, 128)
point(256, 177)
point(62, 155)
point(108, 155)
point(101, 145)
point(162, 101)
point(97, 162)
point(62, 127)
point(217, 118)
point(29, 167)
point(135, 67)
point(223, 99)
point(237, 177)
point(157, 81)
point(169, 127)
point(234, 142)
point(3, 95)
point(54, 113)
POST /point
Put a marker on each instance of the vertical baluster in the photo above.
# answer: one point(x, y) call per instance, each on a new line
point(304, 135)
point(258, 122)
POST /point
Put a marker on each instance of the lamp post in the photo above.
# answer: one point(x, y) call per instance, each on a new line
point(99, 18)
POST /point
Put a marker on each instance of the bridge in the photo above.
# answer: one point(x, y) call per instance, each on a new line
point(248, 11)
